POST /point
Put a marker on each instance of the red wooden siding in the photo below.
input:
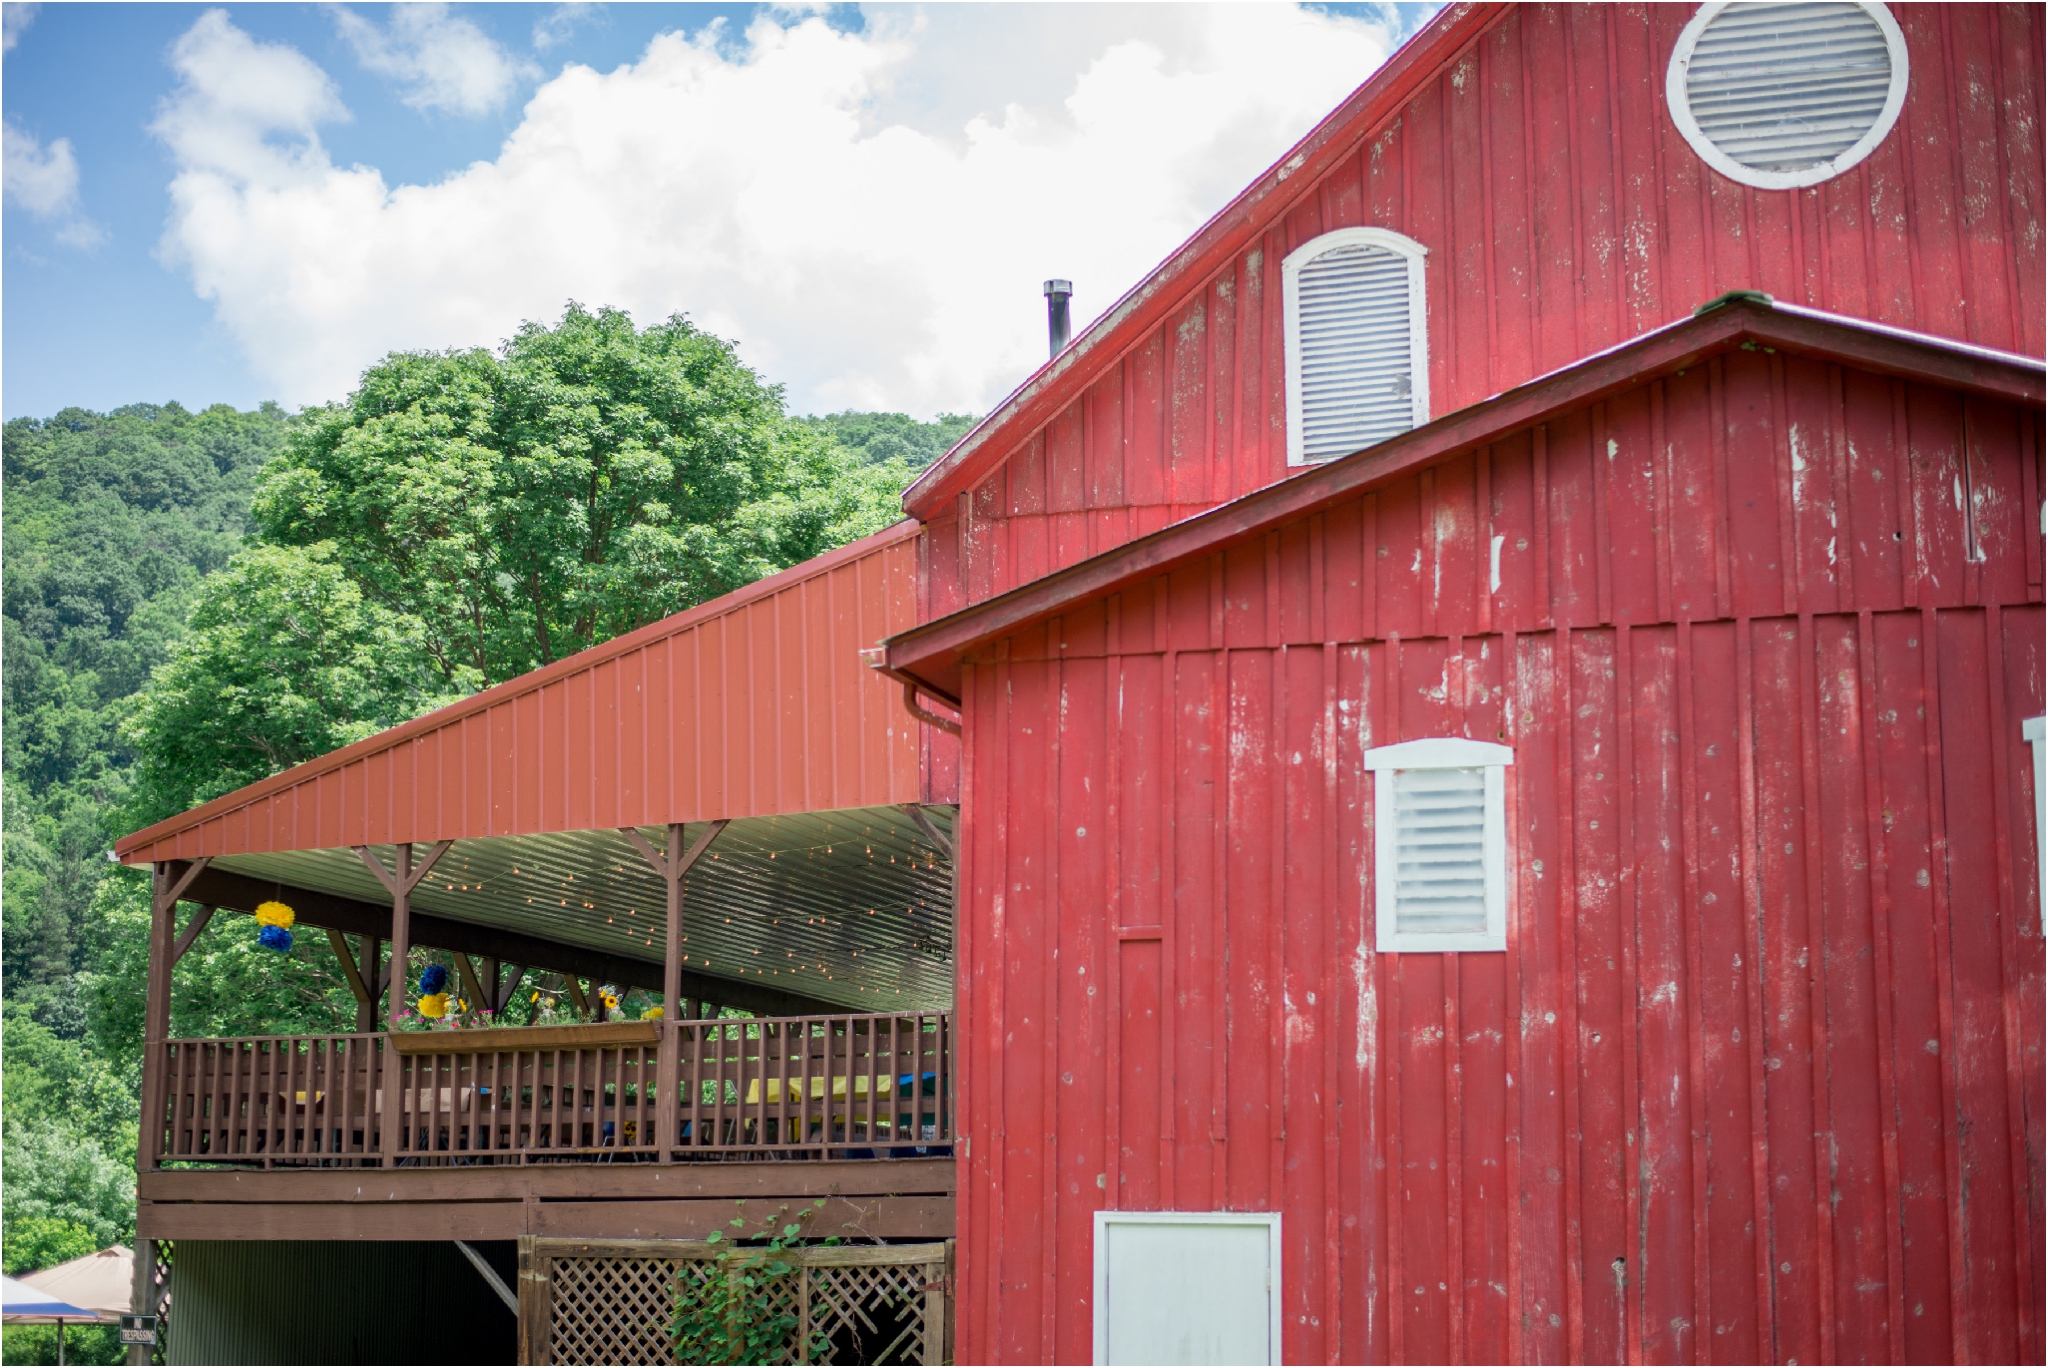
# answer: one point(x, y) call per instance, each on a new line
point(1763, 638)
point(1563, 213)
point(754, 704)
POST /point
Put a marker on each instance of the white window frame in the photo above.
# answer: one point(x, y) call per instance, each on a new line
point(2035, 729)
point(1441, 752)
point(1290, 311)
point(1105, 1219)
point(1681, 109)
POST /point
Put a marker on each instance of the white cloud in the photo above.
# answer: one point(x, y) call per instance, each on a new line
point(442, 61)
point(559, 23)
point(15, 17)
point(870, 215)
point(44, 181)
point(234, 95)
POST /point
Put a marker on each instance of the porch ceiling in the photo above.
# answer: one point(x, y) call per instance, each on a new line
point(853, 907)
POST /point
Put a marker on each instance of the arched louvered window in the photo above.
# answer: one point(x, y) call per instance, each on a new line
point(1440, 844)
point(1784, 95)
point(1357, 353)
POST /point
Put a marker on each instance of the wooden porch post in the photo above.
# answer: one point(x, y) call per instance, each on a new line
point(142, 1297)
point(400, 886)
point(670, 1064)
point(167, 885)
point(672, 865)
point(372, 950)
point(401, 937)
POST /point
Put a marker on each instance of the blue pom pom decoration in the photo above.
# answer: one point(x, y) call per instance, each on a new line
point(274, 938)
point(433, 979)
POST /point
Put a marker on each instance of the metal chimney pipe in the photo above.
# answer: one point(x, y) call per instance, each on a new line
point(1057, 293)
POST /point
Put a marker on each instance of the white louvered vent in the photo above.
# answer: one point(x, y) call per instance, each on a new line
point(1440, 851)
point(1356, 381)
point(1356, 368)
point(1782, 95)
point(1440, 844)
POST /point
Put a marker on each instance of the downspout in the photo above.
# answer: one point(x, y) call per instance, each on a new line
point(911, 689)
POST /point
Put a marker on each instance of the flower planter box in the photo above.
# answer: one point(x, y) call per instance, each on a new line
point(478, 1039)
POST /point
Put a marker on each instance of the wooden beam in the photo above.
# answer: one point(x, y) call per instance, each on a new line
point(240, 893)
point(376, 866)
point(175, 893)
point(930, 829)
point(576, 995)
point(750, 1178)
point(891, 1217)
point(348, 966)
point(472, 987)
point(191, 931)
point(426, 866)
point(490, 1276)
point(654, 857)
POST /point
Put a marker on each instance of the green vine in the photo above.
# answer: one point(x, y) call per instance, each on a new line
point(743, 1312)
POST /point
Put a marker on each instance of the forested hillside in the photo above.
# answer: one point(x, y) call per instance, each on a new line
point(195, 600)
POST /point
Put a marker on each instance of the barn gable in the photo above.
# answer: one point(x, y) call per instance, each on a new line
point(1530, 151)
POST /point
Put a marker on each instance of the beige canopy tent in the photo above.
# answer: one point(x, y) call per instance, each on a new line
point(102, 1283)
point(93, 1290)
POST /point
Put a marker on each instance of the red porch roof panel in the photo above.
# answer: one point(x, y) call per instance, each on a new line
point(754, 704)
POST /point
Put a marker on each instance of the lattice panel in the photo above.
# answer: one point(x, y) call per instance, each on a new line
point(159, 1297)
point(872, 1313)
point(608, 1308)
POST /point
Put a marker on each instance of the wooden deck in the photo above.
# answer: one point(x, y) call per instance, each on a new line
point(885, 1198)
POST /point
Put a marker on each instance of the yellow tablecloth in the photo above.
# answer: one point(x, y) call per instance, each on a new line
point(793, 1088)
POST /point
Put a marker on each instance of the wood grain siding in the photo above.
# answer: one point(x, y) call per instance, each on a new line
point(755, 704)
point(1759, 1077)
point(1563, 213)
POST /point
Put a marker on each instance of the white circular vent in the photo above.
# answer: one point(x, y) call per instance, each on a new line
point(1784, 95)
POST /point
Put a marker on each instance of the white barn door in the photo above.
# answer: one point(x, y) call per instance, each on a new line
point(1187, 1287)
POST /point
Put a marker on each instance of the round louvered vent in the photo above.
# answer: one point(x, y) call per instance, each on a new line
point(1784, 95)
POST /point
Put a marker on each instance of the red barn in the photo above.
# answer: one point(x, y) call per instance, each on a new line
point(1495, 809)
point(1671, 987)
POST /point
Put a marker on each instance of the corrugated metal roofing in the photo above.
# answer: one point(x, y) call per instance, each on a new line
point(754, 704)
point(850, 907)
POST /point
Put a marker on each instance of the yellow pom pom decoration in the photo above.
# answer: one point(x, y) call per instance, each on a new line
point(275, 914)
point(434, 1005)
point(651, 1014)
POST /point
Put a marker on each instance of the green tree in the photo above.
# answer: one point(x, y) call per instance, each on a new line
point(284, 660)
point(587, 479)
point(112, 521)
point(893, 437)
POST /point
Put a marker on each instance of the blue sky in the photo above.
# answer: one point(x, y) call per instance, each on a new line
point(256, 201)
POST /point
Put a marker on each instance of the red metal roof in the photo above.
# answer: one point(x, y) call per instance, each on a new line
point(754, 704)
point(932, 652)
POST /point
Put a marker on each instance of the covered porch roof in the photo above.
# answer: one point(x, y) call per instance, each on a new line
point(849, 909)
point(828, 887)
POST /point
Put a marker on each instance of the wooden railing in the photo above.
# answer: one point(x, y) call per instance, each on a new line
point(818, 1084)
point(847, 1086)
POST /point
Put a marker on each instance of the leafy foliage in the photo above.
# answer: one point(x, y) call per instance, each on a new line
point(588, 480)
point(45, 1241)
point(112, 522)
point(284, 660)
point(881, 437)
point(743, 1311)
